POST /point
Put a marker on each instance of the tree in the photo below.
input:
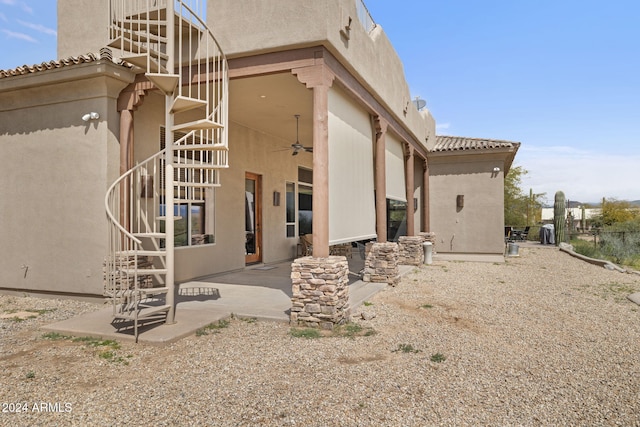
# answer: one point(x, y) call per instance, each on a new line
point(520, 209)
point(616, 212)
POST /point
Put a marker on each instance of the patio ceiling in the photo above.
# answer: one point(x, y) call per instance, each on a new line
point(269, 103)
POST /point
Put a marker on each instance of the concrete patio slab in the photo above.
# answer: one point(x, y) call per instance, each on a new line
point(263, 294)
point(635, 298)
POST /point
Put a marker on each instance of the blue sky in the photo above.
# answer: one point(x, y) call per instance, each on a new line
point(27, 32)
point(562, 77)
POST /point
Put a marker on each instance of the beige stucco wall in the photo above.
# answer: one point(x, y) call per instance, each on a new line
point(82, 27)
point(249, 151)
point(249, 27)
point(277, 25)
point(54, 175)
point(478, 227)
point(256, 152)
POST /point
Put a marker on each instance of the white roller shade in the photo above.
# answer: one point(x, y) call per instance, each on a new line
point(396, 188)
point(352, 214)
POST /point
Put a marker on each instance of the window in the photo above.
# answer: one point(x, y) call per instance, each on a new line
point(291, 209)
point(194, 206)
point(305, 209)
point(305, 201)
point(396, 219)
point(305, 175)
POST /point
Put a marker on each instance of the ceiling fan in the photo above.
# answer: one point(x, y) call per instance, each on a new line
point(297, 147)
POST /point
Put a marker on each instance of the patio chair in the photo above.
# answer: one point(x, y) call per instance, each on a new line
point(507, 235)
point(525, 233)
point(343, 249)
point(307, 244)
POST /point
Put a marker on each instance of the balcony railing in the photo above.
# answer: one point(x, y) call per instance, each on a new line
point(364, 16)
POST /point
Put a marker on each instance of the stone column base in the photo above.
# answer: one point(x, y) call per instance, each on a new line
point(381, 265)
point(430, 237)
point(320, 292)
point(410, 250)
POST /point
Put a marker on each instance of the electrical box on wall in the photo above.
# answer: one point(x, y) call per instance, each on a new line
point(460, 200)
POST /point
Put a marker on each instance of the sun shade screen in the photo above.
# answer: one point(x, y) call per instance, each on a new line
point(351, 198)
point(396, 188)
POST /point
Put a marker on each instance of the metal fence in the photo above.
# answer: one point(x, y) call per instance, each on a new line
point(364, 16)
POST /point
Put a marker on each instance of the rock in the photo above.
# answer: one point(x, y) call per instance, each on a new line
point(368, 315)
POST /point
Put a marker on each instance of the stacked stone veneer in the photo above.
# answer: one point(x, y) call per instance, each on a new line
point(430, 237)
point(320, 292)
point(410, 250)
point(381, 265)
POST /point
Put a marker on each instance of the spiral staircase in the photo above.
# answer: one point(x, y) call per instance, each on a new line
point(171, 45)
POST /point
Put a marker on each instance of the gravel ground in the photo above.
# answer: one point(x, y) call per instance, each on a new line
point(543, 339)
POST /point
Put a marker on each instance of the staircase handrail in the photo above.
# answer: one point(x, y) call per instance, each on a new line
point(204, 25)
point(111, 217)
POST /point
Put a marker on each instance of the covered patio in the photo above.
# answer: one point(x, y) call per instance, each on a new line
point(262, 292)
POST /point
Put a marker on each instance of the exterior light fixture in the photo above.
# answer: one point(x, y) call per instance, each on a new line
point(496, 169)
point(90, 116)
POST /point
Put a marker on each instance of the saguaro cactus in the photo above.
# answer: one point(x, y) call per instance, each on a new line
point(559, 216)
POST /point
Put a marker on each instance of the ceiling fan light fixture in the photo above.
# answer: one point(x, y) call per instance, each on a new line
point(297, 147)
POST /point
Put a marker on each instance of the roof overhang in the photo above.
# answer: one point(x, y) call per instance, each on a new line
point(461, 149)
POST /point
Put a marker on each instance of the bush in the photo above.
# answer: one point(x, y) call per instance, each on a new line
point(621, 246)
point(617, 247)
point(585, 248)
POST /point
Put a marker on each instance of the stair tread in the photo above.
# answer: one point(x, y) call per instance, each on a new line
point(151, 235)
point(198, 166)
point(129, 292)
point(149, 21)
point(143, 271)
point(197, 125)
point(140, 61)
point(188, 200)
point(196, 184)
point(152, 15)
point(142, 312)
point(135, 36)
point(167, 83)
point(153, 26)
point(121, 43)
point(142, 252)
point(212, 147)
point(184, 103)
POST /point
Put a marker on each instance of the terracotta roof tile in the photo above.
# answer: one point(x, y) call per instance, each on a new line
point(459, 143)
point(105, 54)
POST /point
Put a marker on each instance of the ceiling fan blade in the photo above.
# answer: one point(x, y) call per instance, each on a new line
point(308, 149)
point(281, 149)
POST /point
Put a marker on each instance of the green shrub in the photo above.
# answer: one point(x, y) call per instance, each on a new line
point(212, 328)
point(308, 333)
point(438, 358)
point(585, 248)
point(405, 348)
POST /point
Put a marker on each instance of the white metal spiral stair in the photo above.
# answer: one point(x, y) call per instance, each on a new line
point(168, 42)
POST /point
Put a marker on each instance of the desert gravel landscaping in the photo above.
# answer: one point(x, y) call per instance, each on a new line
point(543, 339)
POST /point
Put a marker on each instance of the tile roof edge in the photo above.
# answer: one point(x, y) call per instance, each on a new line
point(105, 54)
point(450, 143)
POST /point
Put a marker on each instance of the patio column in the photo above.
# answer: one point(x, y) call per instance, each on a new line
point(320, 79)
point(129, 100)
point(409, 179)
point(381, 126)
point(426, 220)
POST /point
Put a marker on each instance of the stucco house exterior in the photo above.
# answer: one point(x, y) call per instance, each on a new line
point(255, 85)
